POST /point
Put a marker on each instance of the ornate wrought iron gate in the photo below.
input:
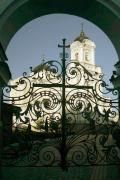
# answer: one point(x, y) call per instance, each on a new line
point(61, 120)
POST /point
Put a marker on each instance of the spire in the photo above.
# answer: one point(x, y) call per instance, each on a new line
point(82, 27)
point(43, 59)
point(82, 35)
point(41, 65)
point(82, 32)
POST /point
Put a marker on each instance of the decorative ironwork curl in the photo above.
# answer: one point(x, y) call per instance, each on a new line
point(53, 71)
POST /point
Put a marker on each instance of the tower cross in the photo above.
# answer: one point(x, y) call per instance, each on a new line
point(64, 46)
point(82, 26)
point(43, 58)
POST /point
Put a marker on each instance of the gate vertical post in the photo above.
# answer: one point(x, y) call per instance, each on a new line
point(119, 103)
point(1, 131)
point(63, 118)
point(115, 79)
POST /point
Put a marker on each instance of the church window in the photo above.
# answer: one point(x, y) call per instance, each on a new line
point(76, 56)
point(87, 56)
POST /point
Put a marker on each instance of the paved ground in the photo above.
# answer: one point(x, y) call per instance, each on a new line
point(79, 173)
point(55, 173)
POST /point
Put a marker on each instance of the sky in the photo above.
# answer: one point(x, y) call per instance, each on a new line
point(40, 37)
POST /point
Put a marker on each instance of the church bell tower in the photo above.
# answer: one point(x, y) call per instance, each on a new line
point(83, 52)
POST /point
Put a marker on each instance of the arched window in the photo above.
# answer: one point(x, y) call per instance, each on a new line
point(76, 56)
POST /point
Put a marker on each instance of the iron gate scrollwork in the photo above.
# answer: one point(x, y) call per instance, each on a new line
point(62, 117)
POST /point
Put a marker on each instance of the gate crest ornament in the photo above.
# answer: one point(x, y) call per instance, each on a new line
point(62, 120)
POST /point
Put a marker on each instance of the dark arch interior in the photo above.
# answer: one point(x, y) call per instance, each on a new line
point(92, 10)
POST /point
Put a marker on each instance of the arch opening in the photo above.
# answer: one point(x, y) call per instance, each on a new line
point(15, 14)
point(40, 37)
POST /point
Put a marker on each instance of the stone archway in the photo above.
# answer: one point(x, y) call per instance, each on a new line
point(14, 14)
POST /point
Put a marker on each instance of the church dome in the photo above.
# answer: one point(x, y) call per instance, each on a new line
point(81, 37)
